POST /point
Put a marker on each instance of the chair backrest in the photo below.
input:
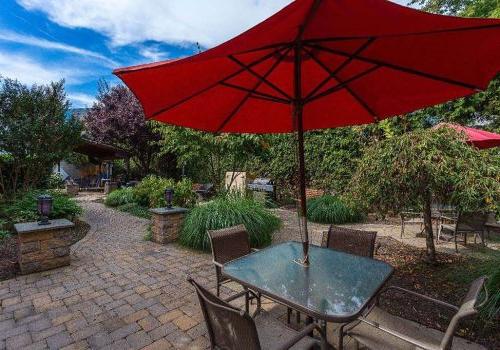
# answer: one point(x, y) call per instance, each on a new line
point(351, 241)
point(468, 308)
point(229, 243)
point(228, 327)
point(471, 222)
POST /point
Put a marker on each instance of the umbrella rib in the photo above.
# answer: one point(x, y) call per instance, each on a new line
point(251, 71)
point(438, 31)
point(332, 74)
point(252, 91)
point(398, 67)
point(343, 85)
point(211, 86)
point(358, 98)
point(257, 93)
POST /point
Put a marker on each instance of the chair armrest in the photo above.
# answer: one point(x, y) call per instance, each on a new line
point(253, 250)
point(425, 297)
point(448, 218)
point(217, 264)
point(302, 334)
point(396, 334)
point(411, 213)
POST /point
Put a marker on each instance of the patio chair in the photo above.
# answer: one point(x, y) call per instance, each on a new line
point(411, 218)
point(232, 329)
point(347, 240)
point(380, 330)
point(463, 225)
point(229, 244)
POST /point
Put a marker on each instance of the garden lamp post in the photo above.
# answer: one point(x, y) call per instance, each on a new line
point(169, 194)
point(44, 208)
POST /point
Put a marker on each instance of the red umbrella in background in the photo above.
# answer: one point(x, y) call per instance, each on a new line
point(321, 64)
point(479, 138)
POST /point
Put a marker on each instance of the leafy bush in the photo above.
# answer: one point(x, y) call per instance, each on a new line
point(4, 233)
point(225, 212)
point(150, 192)
point(55, 181)
point(24, 207)
point(330, 209)
point(120, 197)
point(135, 209)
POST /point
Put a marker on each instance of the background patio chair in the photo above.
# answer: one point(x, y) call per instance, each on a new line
point(229, 244)
point(232, 329)
point(381, 330)
point(411, 218)
point(466, 223)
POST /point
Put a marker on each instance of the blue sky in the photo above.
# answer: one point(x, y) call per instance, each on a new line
point(82, 41)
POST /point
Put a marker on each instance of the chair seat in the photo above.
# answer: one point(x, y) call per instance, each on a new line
point(448, 227)
point(374, 338)
point(273, 334)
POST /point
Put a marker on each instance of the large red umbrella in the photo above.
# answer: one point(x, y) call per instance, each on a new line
point(321, 64)
point(479, 138)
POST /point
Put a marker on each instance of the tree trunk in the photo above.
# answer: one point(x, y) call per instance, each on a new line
point(429, 236)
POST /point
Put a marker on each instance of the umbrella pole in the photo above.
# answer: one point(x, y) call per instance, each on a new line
point(302, 183)
point(298, 105)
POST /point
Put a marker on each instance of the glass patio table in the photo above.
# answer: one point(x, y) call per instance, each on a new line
point(336, 287)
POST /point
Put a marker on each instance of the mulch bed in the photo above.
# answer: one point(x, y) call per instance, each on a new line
point(411, 272)
point(9, 267)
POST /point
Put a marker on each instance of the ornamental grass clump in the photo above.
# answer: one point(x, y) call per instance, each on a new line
point(120, 197)
point(330, 209)
point(225, 212)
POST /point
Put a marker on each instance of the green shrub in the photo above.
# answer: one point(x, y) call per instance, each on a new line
point(150, 192)
point(330, 209)
point(55, 181)
point(4, 233)
point(120, 197)
point(225, 212)
point(135, 209)
point(491, 310)
point(24, 207)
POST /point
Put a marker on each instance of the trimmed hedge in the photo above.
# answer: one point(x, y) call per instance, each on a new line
point(225, 212)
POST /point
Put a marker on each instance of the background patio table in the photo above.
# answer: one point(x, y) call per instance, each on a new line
point(336, 287)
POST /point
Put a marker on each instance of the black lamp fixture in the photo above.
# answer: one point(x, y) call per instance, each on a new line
point(44, 208)
point(169, 195)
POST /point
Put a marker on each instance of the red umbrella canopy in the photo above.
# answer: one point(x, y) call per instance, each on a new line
point(479, 138)
point(360, 61)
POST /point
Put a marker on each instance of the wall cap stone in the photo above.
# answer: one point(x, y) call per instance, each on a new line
point(27, 227)
point(166, 211)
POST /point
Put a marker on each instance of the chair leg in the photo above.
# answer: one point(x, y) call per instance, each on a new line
point(297, 315)
point(247, 302)
point(288, 315)
point(402, 229)
point(456, 246)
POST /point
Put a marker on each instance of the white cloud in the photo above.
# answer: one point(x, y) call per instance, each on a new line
point(53, 45)
point(173, 21)
point(29, 71)
point(153, 53)
point(124, 22)
point(81, 100)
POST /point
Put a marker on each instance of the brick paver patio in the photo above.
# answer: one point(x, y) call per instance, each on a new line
point(120, 292)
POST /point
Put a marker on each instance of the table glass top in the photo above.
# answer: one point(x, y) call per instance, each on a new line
point(336, 285)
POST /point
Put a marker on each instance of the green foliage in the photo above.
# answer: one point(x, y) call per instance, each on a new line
point(329, 209)
point(225, 212)
point(150, 192)
point(438, 164)
point(148, 236)
point(35, 131)
point(55, 181)
point(491, 310)
point(135, 209)
point(206, 156)
point(119, 197)
point(4, 233)
point(24, 207)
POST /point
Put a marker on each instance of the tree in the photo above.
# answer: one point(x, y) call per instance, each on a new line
point(210, 155)
point(117, 119)
point(35, 133)
point(417, 168)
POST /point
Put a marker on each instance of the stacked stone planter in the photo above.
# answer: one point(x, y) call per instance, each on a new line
point(44, 247)
point(167, 224)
